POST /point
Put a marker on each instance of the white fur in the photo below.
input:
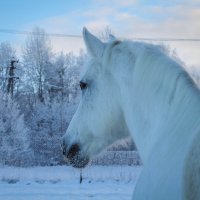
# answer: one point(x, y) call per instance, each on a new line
point(137, 89)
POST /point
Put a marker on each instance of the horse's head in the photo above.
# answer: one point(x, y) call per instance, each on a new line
point(98, 121)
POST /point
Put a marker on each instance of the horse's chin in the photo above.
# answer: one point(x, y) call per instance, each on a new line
point(79, 162)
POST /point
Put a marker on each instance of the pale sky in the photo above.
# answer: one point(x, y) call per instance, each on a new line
point(126, 18)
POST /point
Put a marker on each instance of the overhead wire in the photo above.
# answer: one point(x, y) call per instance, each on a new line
point(165, 39)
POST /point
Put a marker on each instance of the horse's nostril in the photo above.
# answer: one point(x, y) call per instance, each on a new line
point(73, 151)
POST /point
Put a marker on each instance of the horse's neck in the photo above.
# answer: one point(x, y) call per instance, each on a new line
point(158, 118)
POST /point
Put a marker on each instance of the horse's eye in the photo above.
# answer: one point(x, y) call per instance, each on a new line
point(83, 85)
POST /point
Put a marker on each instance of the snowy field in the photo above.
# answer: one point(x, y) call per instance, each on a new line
point(62, 183)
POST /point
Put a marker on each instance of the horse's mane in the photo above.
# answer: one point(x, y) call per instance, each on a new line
point(167, 71)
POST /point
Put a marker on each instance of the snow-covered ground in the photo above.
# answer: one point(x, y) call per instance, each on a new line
point(62, 183)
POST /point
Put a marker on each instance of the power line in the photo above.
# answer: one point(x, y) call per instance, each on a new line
point(166, 39)
point(22, 32)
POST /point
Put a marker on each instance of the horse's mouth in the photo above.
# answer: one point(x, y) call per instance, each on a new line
point(78, 162)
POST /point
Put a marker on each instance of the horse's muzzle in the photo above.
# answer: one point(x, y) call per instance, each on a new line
point(73, 155)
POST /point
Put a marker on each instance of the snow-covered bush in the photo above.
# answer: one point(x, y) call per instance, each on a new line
point(14, 141)
point(47, 124)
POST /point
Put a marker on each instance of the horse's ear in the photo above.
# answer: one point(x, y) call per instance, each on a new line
point(94, 46)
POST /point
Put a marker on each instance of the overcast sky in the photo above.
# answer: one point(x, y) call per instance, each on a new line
point(126, 19)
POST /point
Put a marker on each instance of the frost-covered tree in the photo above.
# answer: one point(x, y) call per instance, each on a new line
point(14, 139)
point(37, 56)
point(63, 77)
point(48, 122)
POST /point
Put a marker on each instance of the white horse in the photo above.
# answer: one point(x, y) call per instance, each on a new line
point(134, 88)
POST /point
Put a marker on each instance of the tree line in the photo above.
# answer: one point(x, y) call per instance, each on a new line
point(38, 96)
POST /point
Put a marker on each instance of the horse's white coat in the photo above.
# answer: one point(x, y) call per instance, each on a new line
point(137, 89)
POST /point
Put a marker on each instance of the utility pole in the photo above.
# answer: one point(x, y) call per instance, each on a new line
point(11, 77)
